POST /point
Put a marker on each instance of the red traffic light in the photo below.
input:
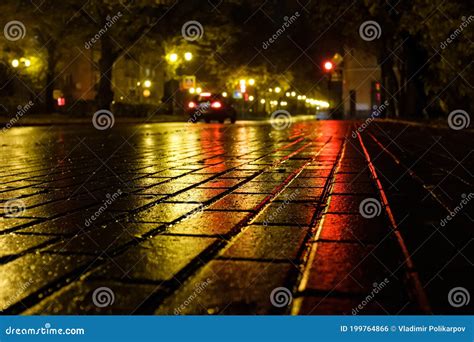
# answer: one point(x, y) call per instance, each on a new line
point(328, 65)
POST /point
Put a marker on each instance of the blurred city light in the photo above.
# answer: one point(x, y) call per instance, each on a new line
point(172, 57)
point(15, 63)
point(147, 84)
point(188, 56)
point(328, 66)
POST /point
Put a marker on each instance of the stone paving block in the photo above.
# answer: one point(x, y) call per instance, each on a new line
point(15, 243)
point(33, 272)
point(243, 287)
point(77, 299)
point(242, 202)
point(221, 183)
point(197, 195)
point(158, 259)
point(361, 176)
point(291, 214)
point(300, 194)
point(257, 187)
point(164, 189)
point(346, 268)
point(353, 188)
point(216, 223)
point(68, 224)
point(349, 203)
point(164, 212)
point(308, 183)
point(103, 239)
point(132, 202)
point(272, 177)
point(267, 243)
point(12, 222)
point(355, 228)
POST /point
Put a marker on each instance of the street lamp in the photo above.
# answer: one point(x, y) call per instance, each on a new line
point(147, 84)
point(277, 90)
point(328, 66)
point(15, 63)
point(251, 82)
point(188, 56)
point(173, 57)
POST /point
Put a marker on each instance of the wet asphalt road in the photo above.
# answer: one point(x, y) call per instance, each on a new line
point(179, 218)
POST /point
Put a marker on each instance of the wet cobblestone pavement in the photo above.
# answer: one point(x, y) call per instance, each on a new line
point(243, 219)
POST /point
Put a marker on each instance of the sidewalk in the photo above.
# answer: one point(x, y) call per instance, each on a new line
point(62, 119)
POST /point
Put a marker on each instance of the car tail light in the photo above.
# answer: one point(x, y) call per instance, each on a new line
point(216, 104)
point(191, 105)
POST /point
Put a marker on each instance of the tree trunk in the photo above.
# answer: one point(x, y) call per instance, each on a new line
point(105, 95)
point(50, 77)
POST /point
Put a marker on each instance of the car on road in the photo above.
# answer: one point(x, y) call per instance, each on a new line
point(209, 107)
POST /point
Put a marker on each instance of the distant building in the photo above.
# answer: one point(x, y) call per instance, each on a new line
point(361, 87)
point(137, 79)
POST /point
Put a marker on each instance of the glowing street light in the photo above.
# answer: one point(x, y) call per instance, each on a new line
point(277, 90)
point(224, 94)
point(293, 94)
point(328, 66)
point(251, 98)
point(172, 57)
point(192, 90)
point(15, 63)
point(188, 56)
point(251, 82)
point(262, 101)
point(147, 84)
point(243, 87)
point(198, 90)
point(287, 94)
